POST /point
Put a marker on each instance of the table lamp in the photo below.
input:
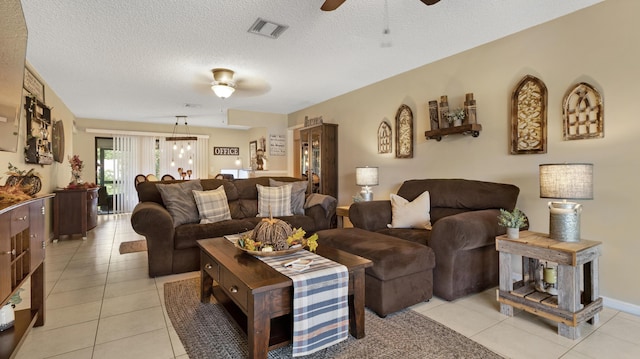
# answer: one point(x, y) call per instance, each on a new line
point(566, 181)
point(365, 177)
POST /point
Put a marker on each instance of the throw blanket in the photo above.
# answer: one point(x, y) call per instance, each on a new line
point(328, 203)
point(320, 301)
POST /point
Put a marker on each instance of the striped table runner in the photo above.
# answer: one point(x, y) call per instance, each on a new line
point(320, 302)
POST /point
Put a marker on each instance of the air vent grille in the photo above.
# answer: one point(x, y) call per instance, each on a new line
point(267, 28)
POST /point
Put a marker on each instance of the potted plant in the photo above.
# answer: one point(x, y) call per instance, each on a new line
point(513, 221)
point(455, 117)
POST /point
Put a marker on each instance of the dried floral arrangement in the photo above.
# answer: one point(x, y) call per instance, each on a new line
point(20, 186)
point(272, 235)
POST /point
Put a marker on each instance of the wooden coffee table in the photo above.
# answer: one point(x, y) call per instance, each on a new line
point(260, 299)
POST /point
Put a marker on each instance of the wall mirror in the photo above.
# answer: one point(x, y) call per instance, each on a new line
point(13, 49)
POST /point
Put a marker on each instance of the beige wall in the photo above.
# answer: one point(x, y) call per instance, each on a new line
point(52, 176)
point(218, 137)
point(262, 125)
point(597, 45)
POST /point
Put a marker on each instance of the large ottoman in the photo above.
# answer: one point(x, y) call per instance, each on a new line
point(402, 271)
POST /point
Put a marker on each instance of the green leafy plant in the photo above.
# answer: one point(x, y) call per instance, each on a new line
point(457, 114)
point(515, 219)
point(14, 171)
point(15, 299)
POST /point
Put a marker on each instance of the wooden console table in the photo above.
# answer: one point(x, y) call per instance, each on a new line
point(570, 307)
point(22, 247)
point(75, 211)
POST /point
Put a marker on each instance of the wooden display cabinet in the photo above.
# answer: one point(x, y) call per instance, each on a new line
point(318, 158)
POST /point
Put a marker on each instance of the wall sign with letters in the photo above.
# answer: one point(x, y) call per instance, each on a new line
point(226, 151)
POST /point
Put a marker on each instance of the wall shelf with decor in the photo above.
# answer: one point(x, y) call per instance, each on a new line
point(469, 129)
point(39, 147)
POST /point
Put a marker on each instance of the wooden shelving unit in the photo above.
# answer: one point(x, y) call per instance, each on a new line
point(39, 148)
point(469, 129)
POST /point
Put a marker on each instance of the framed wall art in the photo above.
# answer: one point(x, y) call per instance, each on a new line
point(404, 132)
point(529, 117)
point(33, 85)
point(582, 112)
point(384, 137)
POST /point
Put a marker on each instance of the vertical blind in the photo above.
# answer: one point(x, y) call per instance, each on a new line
point(137, 155)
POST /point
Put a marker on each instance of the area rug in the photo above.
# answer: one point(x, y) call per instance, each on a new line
point(133, 246)
point(206, 331)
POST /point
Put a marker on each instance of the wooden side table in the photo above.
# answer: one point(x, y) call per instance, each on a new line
point(570, 307)
point(342, 212)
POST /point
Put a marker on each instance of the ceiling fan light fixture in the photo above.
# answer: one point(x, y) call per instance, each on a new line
point(223, 85)
point(222, 90)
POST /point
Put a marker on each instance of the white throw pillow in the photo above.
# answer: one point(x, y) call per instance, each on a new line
point(274, 201)
point(415, 214)
point(212, 205)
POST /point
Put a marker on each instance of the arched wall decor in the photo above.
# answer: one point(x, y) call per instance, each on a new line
point(404, 132)
point(529, 117)
point(583, 113)
point(384, 137)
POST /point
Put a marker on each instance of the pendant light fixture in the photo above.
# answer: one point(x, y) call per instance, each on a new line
point(182, 148)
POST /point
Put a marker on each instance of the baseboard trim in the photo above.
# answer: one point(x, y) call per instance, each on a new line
point(621, 306)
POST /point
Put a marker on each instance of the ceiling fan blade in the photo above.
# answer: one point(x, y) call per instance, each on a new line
point(429, 2)
point(330, 5)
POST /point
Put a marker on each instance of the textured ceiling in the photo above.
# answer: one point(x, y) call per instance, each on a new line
point(144, 60)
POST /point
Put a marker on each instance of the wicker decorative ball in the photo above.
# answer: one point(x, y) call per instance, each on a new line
point(272, 232)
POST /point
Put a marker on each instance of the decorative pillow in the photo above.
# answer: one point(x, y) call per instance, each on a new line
point(274, 201)
point(178, 199)
point(405, 214)
point(212, 205)
point(298, 191)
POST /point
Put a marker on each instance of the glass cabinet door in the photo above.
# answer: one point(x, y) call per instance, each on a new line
point(316, 160)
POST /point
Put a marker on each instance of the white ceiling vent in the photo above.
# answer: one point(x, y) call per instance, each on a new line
point(267, 28)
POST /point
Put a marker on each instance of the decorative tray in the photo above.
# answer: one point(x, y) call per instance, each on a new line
point(270, 254)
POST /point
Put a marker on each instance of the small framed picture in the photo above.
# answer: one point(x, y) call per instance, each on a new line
point(33, 85)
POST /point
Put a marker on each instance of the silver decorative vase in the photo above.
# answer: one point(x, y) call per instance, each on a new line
point(564, 221)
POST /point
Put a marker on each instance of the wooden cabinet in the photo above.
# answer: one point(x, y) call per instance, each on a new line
point(318, 158)
point(75, 211)
point(22, 242)
point(577, 298)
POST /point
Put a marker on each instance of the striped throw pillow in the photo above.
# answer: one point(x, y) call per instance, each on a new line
point(274, 201)
point(212, 205)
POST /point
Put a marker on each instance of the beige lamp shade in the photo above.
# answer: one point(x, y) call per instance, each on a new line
point(366, 176)
point(566, 181)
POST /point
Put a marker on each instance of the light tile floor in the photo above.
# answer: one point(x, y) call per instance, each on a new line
point(101, 304)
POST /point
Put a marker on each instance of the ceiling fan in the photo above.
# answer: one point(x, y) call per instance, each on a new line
point(330, 5)
point(225, 84)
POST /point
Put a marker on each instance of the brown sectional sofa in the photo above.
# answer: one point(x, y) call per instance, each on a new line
point(174, 250)
point(464, 226)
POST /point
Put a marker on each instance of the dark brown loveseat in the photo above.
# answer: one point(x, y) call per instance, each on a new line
point(464, 226)
point(174, 250)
